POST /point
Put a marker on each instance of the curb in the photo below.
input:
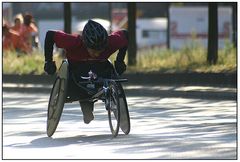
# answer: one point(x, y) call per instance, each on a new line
point(220, 79)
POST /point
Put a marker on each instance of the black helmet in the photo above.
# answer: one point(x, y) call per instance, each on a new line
point(95, 35)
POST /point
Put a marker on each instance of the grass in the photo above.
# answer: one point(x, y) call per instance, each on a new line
point(22, 64)
point(14, 63)
point(188, 59)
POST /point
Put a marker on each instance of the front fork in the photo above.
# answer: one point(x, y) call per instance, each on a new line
point(106, 92)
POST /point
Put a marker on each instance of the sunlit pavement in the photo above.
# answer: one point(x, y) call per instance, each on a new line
point(162, 127)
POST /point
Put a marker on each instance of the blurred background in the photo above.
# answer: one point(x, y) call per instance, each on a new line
point(163, 36)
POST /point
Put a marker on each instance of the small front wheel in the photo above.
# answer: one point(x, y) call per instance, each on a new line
point(113, 108)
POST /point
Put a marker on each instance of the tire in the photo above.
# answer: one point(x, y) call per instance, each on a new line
point(56, 104)
point(113, 109)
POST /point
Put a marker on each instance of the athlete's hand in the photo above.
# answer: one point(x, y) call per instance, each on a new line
point(120, 66)
point(50, 67)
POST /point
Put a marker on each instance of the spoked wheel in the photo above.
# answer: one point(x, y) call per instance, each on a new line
point(56, 104)
point(113, 108)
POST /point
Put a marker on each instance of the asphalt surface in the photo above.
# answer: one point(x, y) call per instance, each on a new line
point(167, 122)
point(173, 116)
point(161, 128)
point(189, 85)
point(187, 91)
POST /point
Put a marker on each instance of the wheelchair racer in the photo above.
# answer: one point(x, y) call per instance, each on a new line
point(93, 45)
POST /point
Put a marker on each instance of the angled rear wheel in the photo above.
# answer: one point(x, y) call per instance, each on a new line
point(55, 105)
point(124, 113)
point(57, 99)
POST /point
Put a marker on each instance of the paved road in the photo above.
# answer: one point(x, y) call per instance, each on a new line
point(162, 127)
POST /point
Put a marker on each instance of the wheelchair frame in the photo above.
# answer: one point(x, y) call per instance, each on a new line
point(110, 92)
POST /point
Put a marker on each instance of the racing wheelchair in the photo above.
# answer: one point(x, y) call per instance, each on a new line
point(88, 86)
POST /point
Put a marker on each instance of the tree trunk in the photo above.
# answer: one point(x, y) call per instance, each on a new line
point(234, 23)
point(212, 33)
point(168, 26)
point(67, 17)
point(132, 47)
point(110, 16)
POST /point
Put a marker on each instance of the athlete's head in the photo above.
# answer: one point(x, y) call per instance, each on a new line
point(95, 36)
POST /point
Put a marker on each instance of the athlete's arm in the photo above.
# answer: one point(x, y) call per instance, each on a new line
point(48, 46)
point(122, 51)
point(49, 66)
point(120, 66)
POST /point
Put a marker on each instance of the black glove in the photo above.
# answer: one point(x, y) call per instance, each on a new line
point(50, 67)
point(120, 66)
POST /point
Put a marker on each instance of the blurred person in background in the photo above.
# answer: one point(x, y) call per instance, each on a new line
point(94, 45)
point(18, 22)
point(12, 41)
point(29, 31)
